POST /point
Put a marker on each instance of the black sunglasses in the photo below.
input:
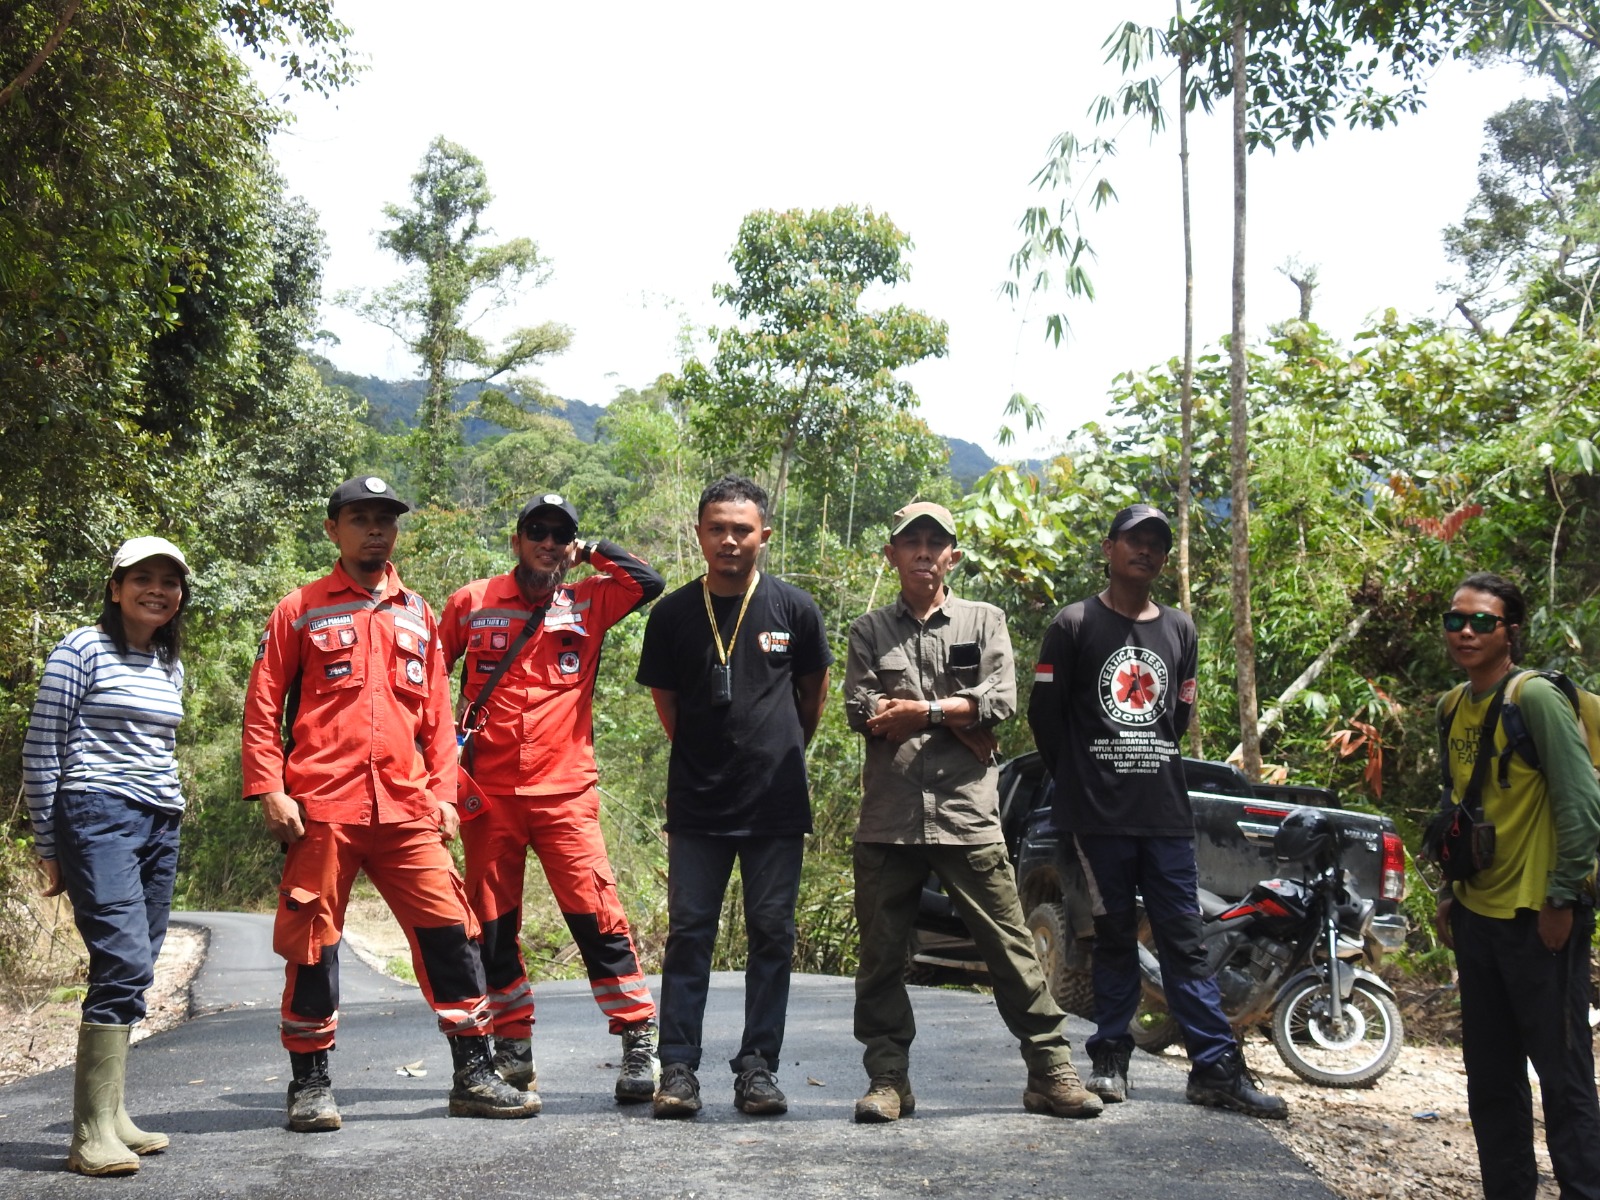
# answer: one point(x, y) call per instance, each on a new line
point(1455, 622)
point(560, 533)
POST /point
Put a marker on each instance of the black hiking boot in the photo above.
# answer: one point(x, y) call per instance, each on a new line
point(755, 1090)
point(641, 1069)
point(1109, 1079)
point(312, 1108)
point(1228, 1083)
point(679, 1094)
point(479, 1091)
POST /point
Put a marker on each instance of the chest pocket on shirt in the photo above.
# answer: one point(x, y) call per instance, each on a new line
point(963, 659)
point(892, 669)
point(410, 661)
point(334, 659)
point(563, 657)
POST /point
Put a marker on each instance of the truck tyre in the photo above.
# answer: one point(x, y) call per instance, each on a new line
point(920, 974)
point(1072, 988)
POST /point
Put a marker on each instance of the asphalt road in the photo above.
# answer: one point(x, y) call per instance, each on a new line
point(216, 1085)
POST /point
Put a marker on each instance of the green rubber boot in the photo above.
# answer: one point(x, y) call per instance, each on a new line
point(96, 1095)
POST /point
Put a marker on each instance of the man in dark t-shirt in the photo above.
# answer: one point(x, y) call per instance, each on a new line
point(1112, 697)
point(738, 665)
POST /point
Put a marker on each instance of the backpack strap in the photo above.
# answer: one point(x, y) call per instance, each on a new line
point(1472, 797)
point(1445, 721)
point(1519, 740)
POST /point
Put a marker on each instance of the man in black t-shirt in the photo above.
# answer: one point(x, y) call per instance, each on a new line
point(738, 665)
point(1112, 697)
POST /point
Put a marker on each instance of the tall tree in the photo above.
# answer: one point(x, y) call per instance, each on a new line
point(431, 308)
point(811, 375)
point(1531, 236)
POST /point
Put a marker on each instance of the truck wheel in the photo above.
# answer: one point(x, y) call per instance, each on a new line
point(920, 974)
point(1072, 987)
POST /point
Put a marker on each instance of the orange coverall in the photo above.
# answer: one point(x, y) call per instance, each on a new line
point(370, 751)
point(534, 758)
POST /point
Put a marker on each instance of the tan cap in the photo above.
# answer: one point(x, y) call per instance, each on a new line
point(937, 513)
point(136, 550)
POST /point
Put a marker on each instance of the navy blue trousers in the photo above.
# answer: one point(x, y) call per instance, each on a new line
point(118, 860)
point(1120, 871)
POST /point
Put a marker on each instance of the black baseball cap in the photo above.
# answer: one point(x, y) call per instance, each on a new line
point(364, 487)
point(553, 500)
point(1137, 514)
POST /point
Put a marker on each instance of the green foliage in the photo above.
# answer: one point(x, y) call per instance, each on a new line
point(811, 377)
point(428, 309)
point(156, 284)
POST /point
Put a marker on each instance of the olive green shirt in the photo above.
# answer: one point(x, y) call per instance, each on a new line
point(1547, 819)
point(931, 788)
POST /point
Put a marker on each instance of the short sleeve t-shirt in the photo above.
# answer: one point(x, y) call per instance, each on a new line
point(736, 769)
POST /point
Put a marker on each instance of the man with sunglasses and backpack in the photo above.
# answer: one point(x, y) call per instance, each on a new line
point(529, 730)
point(1522, 922)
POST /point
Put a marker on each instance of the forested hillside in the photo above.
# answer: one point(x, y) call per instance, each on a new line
point(158, 300)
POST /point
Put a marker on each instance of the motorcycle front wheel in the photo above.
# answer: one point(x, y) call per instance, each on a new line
point(1354, 1051)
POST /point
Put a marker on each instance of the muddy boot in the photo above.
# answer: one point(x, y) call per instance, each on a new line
point(1109, 1079)
point(311, 1105)
point(479, 1091)
point(96, 1092)
point(641, 1069)
point(888, 1098)
point(513, 1062)
point(1060, 1093)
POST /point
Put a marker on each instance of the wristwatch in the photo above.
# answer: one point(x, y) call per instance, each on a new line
point(1552, 902)
point(586, 550)
point(935, 713)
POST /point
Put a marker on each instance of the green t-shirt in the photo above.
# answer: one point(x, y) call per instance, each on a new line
point(1547, 820)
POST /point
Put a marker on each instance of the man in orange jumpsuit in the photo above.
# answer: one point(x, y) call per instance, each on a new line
point(531, 751)
point(367, 781)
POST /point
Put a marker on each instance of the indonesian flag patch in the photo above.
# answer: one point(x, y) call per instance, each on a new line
point(1044, 673)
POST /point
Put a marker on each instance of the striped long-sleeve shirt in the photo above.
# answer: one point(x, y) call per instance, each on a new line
point(103, 722)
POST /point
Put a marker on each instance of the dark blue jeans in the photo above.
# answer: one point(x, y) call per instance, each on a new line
point(1520, 1003)
point(118, 860)
point(1121, 870)
point(698, 870)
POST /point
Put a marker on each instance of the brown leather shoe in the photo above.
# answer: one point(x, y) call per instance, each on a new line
point(888, 1098)
point(1060, 1093)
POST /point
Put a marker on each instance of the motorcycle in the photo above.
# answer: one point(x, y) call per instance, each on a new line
point(1292, 952)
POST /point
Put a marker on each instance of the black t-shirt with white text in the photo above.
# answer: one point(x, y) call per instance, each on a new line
point(739, 768)
point(1111, 700)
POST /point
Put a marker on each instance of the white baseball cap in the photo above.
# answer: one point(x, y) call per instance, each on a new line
point(136, 550)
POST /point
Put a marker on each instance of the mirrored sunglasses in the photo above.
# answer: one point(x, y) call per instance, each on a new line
point(1481, 622)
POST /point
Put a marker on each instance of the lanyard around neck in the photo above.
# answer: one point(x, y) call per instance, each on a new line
point(723, 655)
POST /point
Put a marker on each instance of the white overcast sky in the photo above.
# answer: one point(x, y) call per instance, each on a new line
point(629, 140)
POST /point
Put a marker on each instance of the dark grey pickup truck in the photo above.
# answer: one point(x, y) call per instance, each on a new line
point(1234, 823)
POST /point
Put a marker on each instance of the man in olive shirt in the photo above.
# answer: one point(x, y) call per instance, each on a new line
point(928, 678)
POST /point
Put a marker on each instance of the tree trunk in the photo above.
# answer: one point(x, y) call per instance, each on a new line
point(1309, 676)
point(1186, 384)
point(1244, 639)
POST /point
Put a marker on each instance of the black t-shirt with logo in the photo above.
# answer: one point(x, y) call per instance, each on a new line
point(1111, 700)
point(737, 768)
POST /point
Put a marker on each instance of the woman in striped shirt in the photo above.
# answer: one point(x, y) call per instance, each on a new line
point(103, 797)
